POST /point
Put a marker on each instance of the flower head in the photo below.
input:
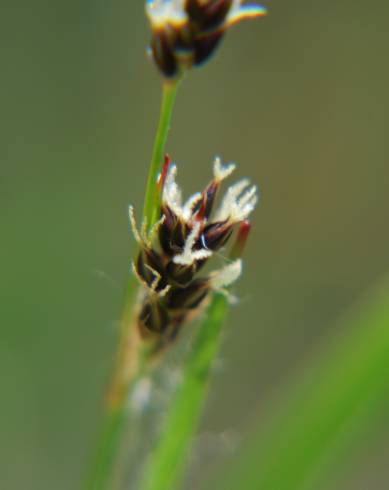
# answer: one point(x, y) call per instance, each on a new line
point(185, 33)
point(188, 234)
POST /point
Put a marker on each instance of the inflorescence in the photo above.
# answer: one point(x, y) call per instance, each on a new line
point(185, 33)
point(178, 246)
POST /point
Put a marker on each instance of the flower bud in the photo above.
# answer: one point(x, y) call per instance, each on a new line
point(185, 33)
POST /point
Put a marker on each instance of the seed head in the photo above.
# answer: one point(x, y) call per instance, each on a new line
point(187, 235)
point(185, 33)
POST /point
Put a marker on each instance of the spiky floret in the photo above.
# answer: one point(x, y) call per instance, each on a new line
point(177, 247)
point(185, 33)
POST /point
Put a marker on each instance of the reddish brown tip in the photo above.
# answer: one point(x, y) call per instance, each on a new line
point(241, 239)
point(163, 173)
point(201, 212)
point(208, 197)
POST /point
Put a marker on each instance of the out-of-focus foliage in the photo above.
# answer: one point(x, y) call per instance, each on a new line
point(340, 392)
point(299, 99)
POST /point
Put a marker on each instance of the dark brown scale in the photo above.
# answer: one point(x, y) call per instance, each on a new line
point(208, 15)
point(204, 207)
point(162, 48)
point(179, 235)
point(181, 275)
point(166, 228)
point(189, 297)
point(154, 317)
point(204, 46)
point(210, 193)
point(197, 301)
point(183, 43)
point(148, 259)
point(170, 216)
point(164, 235)
point(172, 233)
point(214, 236)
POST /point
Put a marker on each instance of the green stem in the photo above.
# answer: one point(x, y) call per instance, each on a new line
point(167, 461)
point(107, 450)
point(152, 197)
point(129, 351)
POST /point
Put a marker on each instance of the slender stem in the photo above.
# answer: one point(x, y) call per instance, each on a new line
point(151, 201)
point(107, 449)
point(131, 358)
point(166, 462)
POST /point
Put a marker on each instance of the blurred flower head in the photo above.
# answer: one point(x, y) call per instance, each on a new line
point(185, 33)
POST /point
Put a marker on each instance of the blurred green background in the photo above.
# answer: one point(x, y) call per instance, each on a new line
point(299, 99)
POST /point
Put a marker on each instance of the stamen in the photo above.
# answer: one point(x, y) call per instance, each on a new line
point(220, 171)
point(134, 227)
point(235, 208)
point(172, 195)
point(188, 255)
point(246, 203)
point(227, 275)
